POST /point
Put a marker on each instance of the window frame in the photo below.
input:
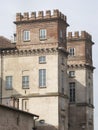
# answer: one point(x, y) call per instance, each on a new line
point(62, 81)
point(42, 34)
point(25, 82)
point(71, 51)
point(26, 35)
point(71, 74)
point(9, 82)
point(42, 59)
point(72, 92)
point(25, 104)
point(42, 78)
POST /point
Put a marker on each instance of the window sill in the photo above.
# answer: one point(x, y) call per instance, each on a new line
point(71, 76)
point(9, 88)
point(26, 40)
point(42, 87)
point(43, 39)
point(42, 62)
point(25, 88)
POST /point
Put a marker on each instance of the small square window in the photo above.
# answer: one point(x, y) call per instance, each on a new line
point(71, 51)
point(42, 59)
point(71, 74)
point(8, 82)
point(26, 35)
point(42, 34)
point(25, 81)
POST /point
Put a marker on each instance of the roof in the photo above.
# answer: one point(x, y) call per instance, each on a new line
point(17, 110)
point(6, 43)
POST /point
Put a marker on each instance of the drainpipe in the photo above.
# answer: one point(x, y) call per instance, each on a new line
point(34, 126)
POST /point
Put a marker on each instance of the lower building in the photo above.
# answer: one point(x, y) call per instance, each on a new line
point(14, 119)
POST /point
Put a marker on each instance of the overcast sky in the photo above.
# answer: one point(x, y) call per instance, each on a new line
point(81, 15)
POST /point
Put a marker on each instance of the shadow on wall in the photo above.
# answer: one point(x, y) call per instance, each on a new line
point(9, 96)
point(77, 110)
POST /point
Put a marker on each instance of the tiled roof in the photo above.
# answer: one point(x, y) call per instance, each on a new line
point(6, 43)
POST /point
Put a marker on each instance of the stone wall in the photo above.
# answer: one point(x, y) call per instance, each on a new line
point(14, 119)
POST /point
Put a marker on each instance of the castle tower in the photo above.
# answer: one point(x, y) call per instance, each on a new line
point(35, 74)
point(80, 71)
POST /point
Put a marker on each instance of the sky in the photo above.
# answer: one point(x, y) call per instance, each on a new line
point(81, 15)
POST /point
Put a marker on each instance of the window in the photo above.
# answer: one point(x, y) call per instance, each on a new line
point(71, 51)
point(25, 81)
point(72, 91)
point(71, 74)
point(42, 34)
point(42, 78)
point(61, 33)
point(8, 82)
point(42, 59)
point(25, 104)
point(26, 36)
point(62, 60)
point(62, 81)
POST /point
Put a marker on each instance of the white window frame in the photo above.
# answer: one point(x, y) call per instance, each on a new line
point(42, 77)
point(71, 74)
point(9, 82)
point(71, 51)
point(26, 35)
point(42, 34)
point(42, 59)
point(25, 82)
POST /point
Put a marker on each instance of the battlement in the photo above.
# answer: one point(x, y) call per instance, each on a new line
point(41, 15)
point(77, 35)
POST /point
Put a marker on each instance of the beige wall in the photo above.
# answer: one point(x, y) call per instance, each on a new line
point(29, 65)
point(45, 102)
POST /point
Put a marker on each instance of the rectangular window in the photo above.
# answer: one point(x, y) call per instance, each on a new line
point(42, 59)
point(71, 51)
point(42, 34)
point(26, 35)
point(72, 91)
point(62, 81)
point(25, 104)
point(42, 78)
point(8, 82)
point(63, 61)
point(61, 34)
point(25, 81)
point(71, 74)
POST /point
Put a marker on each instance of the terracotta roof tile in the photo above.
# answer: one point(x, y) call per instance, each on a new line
point(6, 43)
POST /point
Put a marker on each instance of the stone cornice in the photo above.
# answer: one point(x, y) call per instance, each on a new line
point(52, 94)
point(82, 104)
point(82, 66)
point(29, 52)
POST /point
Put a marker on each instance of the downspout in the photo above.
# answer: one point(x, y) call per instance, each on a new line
point(34, 126)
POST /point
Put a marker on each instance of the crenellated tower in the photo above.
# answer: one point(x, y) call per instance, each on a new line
point(41, 30)
point(48, 73)
point(35, 72)
point(80, 71)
